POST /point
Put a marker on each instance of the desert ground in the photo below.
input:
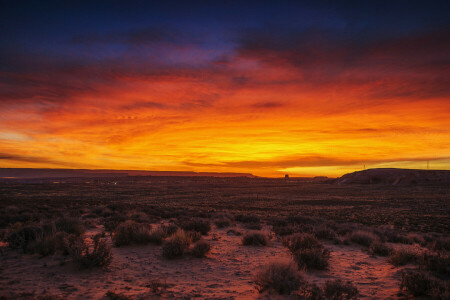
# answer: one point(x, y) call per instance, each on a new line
point(155, 237)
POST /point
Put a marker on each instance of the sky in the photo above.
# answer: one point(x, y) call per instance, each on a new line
point(265, 87)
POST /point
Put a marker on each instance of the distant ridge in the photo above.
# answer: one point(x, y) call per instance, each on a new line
point(61, 173)
point(392, 176)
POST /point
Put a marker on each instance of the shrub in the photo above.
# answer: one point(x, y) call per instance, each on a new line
point(302, 241)
point(255, 239)
point(194, 236)
point(416, 283)
point(222, 223)
point(156, 236)
point(364, 238)
point(200, 249)
point(314, 258)
point(379, 248)
point(21, 236)
point(111, 222)
point(402, 256)
point(247, 218)
point(308, 252)
point(176, 245)
point(438, 262)
point(130, 232)
point(169, 229)
point(100, 256)
point(324, 232)
point(337, 290)
point(70, 225)
point(281, 277)
point(199, 225)
point(439, 244)
point(116, 296)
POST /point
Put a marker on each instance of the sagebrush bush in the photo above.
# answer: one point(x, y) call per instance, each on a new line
point(247, 218)
point(176, 245)
point(362, 237)
point(116, 296)
point(280, 277)
point(314, 258)
point(130, 232)
point(98, 255)
point(302, 241)
point(438, 262)
point(416, 283)
point(255, 239)
point(156, 236)
point(200, 249)
point(339, 290)
point(402, 256)
point(169, 229)
point(324, 232)
point(379, 248)
point(222, 223)
point(70, 225)
point(439, 244)
point(20, 236)
point(200, 225)
point(307, 251)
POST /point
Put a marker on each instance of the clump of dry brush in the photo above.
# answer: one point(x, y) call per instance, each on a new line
point(284, 278)
point(307, 251)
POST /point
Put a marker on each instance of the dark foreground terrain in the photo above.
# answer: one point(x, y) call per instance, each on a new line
point(118, 237)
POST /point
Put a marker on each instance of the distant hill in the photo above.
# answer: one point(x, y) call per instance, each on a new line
point(391, 176)
point(61, 173)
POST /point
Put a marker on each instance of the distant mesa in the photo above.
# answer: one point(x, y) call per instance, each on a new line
point(28, 173)
point(392, 176)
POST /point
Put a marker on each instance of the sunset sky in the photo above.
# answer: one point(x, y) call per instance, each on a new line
point(311, 88)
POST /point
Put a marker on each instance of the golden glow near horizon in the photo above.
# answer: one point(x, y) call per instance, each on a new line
point(266, 130)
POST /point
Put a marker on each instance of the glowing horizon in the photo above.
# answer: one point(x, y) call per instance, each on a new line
point(306, 99)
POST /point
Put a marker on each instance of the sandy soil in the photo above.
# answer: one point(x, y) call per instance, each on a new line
point(226, 273)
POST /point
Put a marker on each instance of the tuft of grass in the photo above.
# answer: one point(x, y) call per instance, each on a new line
point(280, 277)
point(379, 248)
point(116, 296)
point(308, 252)
point(99, 256)
point(402, 256)
point(130, 232)
point(70, 225)
point(255, 239)
point(416, 283)
point(222, 223)
point(302, 241)
point(176, 245)
point(362, 237)
point(314, 258)
point(438, 262)
point(200, 249)
point(337, 290)
point(200, 225)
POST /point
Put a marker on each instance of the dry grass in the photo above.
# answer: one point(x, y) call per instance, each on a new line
point(255, 239)
point(280, 277)
point(176, 245)
point(403, 256)
point(130, 232)
point(338, 289)
point(200, 249)
point(379, 248)
point(362, 237)
point(307, 251)
point(98, 255)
